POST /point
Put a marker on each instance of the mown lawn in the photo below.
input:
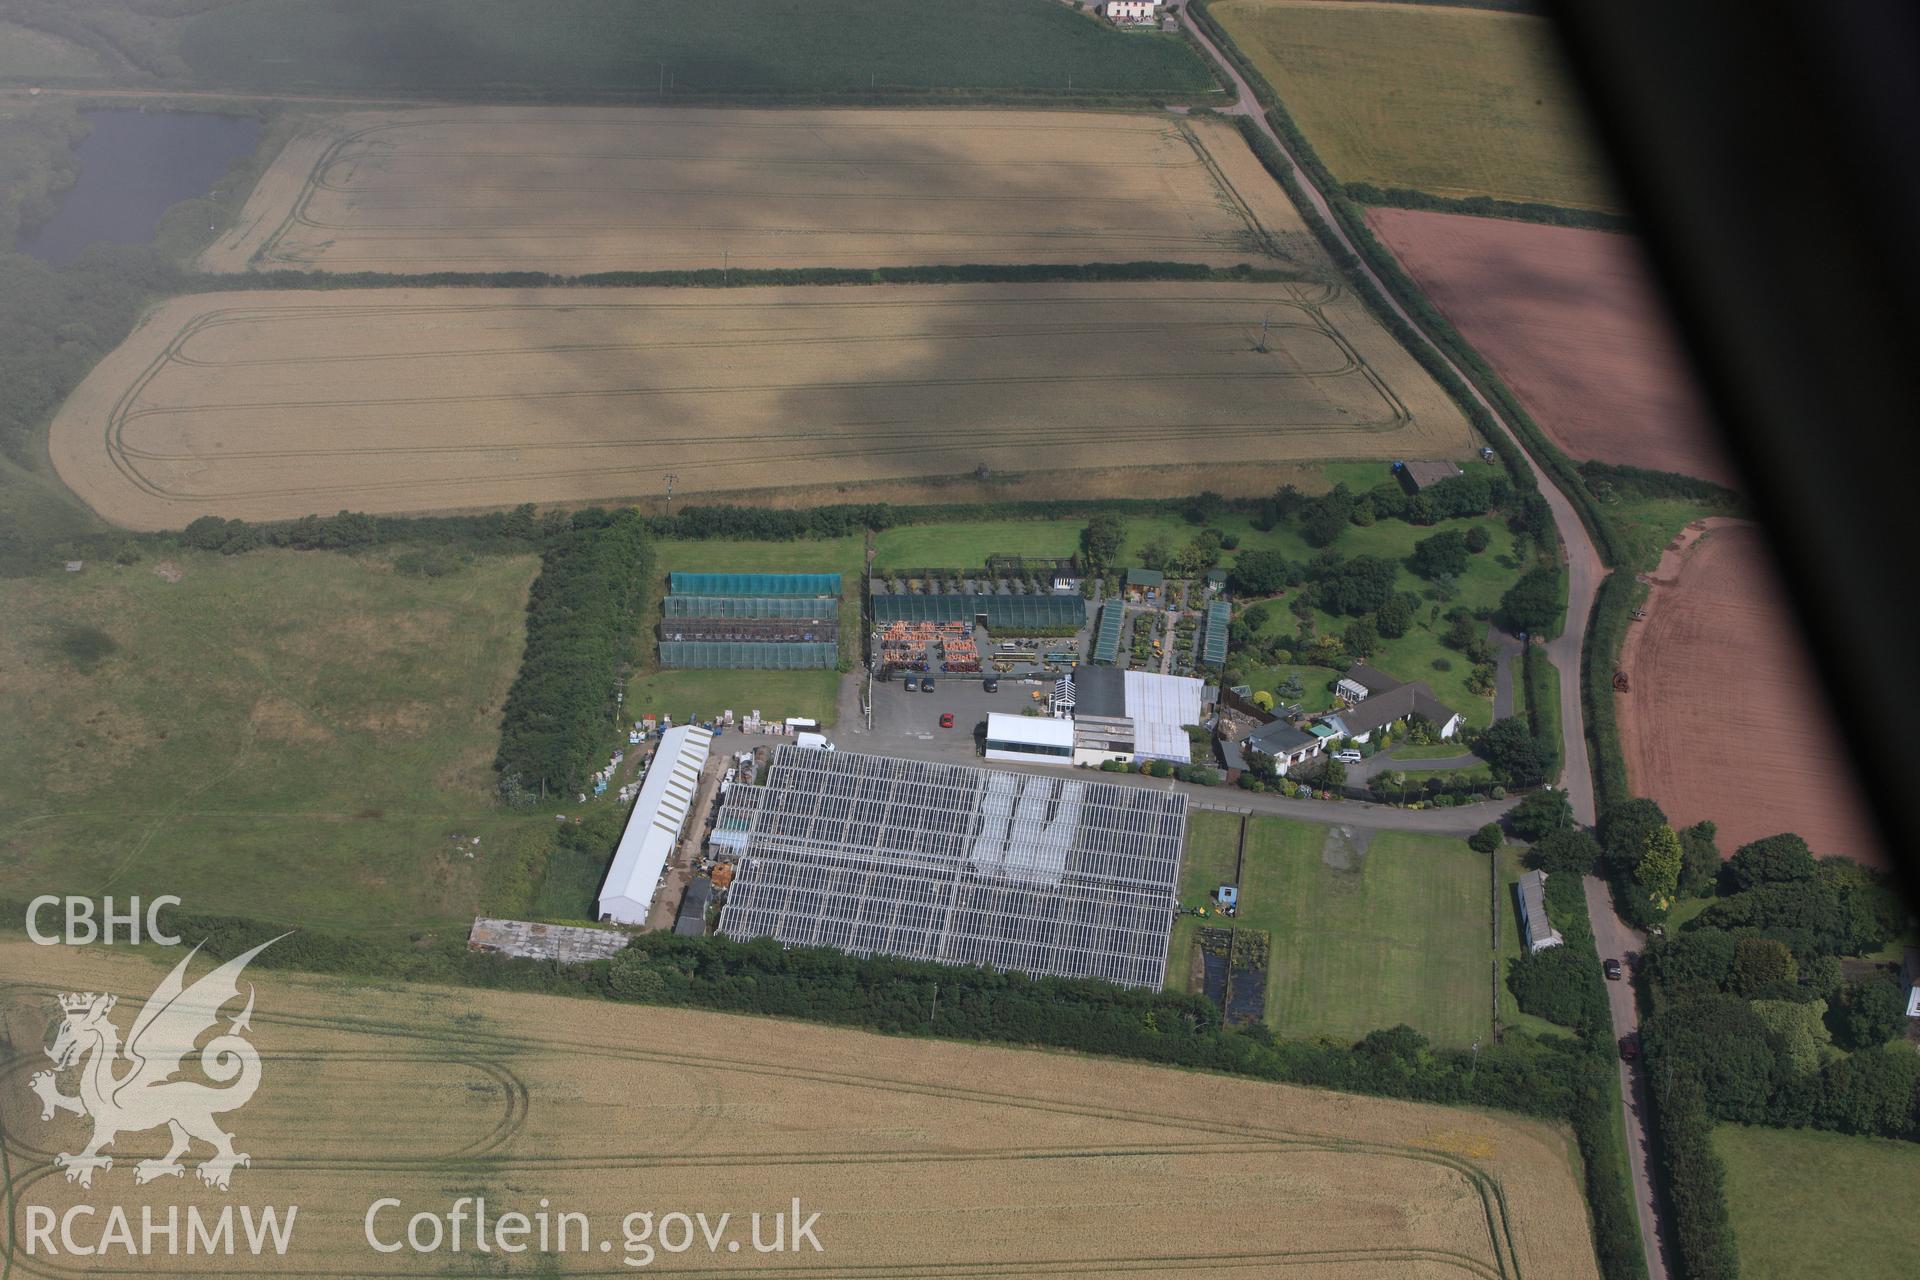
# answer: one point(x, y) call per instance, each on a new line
point(1361, 940)
point(303, 737)
point(1805, 1203)
point(1456, 102)
point(687, 695)
point(708, 46)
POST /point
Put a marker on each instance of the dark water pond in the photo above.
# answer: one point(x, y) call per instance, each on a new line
point(132, 166)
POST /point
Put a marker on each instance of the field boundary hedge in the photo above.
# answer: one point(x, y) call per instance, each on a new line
point(1552, 215)
point(744, 277)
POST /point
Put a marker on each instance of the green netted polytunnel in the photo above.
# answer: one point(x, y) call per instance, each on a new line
point(749, 607)
point(748, 655)
point(1106, 644)
point(1214, 647)
point(1012, 615)
point(754, 584)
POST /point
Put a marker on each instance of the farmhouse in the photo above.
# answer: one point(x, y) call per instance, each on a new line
point(1131, 12)
point(1285, 745)
point(1377, 700)
point(1535, 928)
point(1415, 476)
point(955, 864)
point(654, 825)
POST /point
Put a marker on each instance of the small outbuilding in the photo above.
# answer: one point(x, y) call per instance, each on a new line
point(1415, 476)
point(1910, 981)
point(1535, 929)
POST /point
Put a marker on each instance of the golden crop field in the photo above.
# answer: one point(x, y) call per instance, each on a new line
point(1451, 101)
point(922, 1158)
point(276, 404)
point(573, 190)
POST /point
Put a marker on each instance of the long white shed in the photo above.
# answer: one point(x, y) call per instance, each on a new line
point(654, 824)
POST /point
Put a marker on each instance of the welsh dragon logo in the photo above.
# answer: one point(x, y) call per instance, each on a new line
point(145, 1095)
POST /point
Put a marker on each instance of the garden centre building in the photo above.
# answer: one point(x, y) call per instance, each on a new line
point(872, 855)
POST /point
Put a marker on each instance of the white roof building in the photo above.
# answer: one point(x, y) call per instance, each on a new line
point(654, 825)
point(1161, 708)
point(1032, 739)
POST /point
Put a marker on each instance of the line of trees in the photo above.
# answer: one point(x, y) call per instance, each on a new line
point(582, 624)
point(1487, 206)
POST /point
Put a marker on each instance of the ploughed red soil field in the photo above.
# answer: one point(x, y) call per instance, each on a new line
point(1725, 718)
point(1570, 320)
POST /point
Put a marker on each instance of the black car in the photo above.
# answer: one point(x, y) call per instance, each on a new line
point(913, 684)
point(990, 686)
point(926, 684)
point(1612, 969)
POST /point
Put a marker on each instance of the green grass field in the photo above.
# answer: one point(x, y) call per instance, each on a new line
point(562, 47)
point(1452, 101)
point(298, 737)
point(1804, 1203)
point(1361, 940)
point(1647, 525)
point(776, 694)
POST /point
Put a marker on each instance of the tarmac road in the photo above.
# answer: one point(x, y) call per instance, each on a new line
point(1584, 574)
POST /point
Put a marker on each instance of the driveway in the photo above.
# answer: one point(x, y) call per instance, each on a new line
point(1358, 774)
point(1506, 657)
point(908, 724)
point(1584, 572)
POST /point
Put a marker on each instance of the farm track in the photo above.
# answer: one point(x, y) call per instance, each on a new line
point(483, 1164)
point(277, 404)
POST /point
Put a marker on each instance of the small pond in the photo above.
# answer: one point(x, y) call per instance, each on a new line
point(133, 165)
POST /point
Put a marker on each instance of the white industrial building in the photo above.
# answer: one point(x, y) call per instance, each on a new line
point(654, 824)
point(1029, 739)
point(1131, 716)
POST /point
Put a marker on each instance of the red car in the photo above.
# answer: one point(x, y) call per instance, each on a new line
point(946, 720)
point(1630, 1046)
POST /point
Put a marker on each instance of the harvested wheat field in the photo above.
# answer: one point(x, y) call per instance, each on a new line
point(1572, 322)
point(571, 191)
point(277, 404)
point(1725, 718)
point(921, 1158)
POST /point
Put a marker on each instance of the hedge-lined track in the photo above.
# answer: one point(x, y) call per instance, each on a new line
point(1176, 1176)
point(576, 190)
point(278, 404)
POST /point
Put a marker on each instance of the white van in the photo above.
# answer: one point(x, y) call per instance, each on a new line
point(1349, 756)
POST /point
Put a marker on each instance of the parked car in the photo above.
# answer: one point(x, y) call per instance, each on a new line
point(990, 685)
point(946, 720)
point(1612, 969)
point(926, 684)
point(1630, 1046)
point(1349, 756)
point(913, 684)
